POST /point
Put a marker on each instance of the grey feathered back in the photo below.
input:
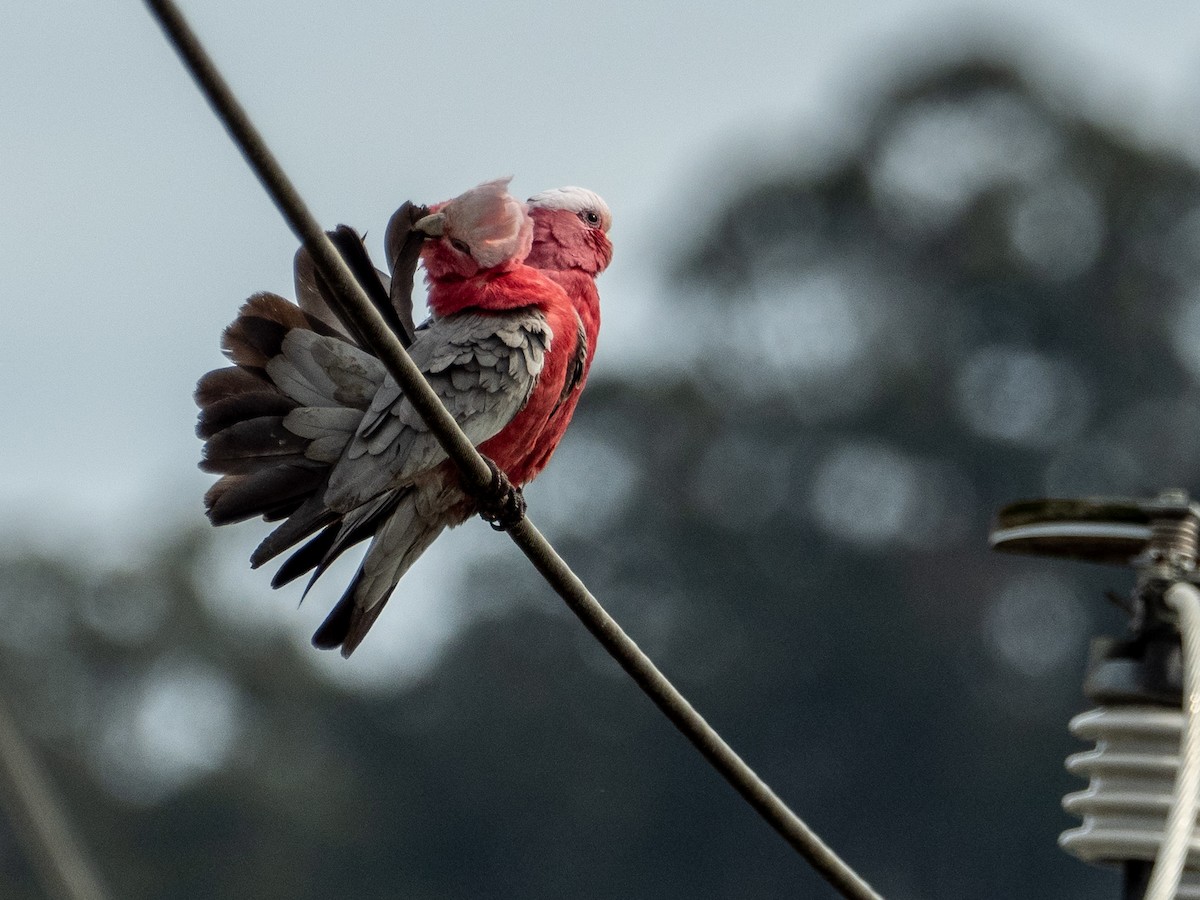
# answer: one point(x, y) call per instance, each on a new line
point(482, 366)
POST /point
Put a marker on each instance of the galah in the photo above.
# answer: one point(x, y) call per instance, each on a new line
point(307, 425)
point(571, 246)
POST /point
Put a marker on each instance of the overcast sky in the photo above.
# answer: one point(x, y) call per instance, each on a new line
point(132, 229)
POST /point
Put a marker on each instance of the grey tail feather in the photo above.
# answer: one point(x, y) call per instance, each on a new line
point(308, 518)
point(401, 536)
point(342, 539)
point(348, 622)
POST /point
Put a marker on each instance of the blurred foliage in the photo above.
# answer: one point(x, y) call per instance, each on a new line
point(988, 298)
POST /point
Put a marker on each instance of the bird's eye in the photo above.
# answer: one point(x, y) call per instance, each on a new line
point(590, 216)
point(460, 246)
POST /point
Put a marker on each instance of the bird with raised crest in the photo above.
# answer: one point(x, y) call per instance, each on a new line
point(308, 427)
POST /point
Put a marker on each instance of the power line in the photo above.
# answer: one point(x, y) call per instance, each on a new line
point(355, 307)
point(60, 860)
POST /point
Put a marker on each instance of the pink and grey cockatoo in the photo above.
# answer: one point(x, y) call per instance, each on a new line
point(307, 425)
point(571, 246)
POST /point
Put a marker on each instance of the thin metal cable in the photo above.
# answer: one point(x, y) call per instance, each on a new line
point(59, 859)
point(357, 308)
point(1184, 598)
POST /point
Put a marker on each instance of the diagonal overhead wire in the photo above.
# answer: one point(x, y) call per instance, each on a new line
point(354, 306)
point(40, 820)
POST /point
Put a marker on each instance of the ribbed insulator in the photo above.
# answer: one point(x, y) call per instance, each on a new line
point(1132, 775)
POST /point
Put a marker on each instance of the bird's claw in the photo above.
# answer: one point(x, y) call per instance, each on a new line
point(503, 504)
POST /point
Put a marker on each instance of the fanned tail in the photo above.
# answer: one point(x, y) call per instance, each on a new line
point(277, 421)
point(274, 422)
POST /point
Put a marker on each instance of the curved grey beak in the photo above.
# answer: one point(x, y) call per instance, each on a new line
point(433, 225)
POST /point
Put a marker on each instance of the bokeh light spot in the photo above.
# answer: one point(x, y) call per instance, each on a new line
point(867, 494)
point(182, 721)
point(1057, 229)
point(1021, 396)
point(940, 155)
point(587, 485)
point(875, 494)
point(802, 326)
point(1035, 622)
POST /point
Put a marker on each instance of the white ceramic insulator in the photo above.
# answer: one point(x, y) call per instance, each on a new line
point(1131, 774)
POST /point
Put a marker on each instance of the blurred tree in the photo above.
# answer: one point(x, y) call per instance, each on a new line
point(988, 298)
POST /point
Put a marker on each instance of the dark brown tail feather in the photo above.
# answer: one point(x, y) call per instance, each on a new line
point(336, 627)
point(271, 493)
point(241, 418)
point(227, 411)
point(350, 246)
point(256, 335)
point(250, 446)
point(218, 384)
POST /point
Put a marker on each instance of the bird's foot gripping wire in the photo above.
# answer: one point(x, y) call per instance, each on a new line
point(502, 505)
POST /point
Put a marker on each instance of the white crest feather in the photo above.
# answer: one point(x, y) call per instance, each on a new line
point(575, 199)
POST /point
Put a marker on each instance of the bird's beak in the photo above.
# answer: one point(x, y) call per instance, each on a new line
point(433, 225)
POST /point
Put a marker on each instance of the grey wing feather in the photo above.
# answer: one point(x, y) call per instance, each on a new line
point(323, 371)
point(483, 367)
point(314, 422)
point(327, 428)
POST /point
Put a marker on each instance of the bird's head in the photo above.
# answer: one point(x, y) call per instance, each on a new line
point(483, 229)
point(570, 230)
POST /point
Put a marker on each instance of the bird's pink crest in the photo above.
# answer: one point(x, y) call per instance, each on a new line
point(492, 223)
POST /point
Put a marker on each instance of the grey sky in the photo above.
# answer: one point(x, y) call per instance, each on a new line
point(132, 229)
